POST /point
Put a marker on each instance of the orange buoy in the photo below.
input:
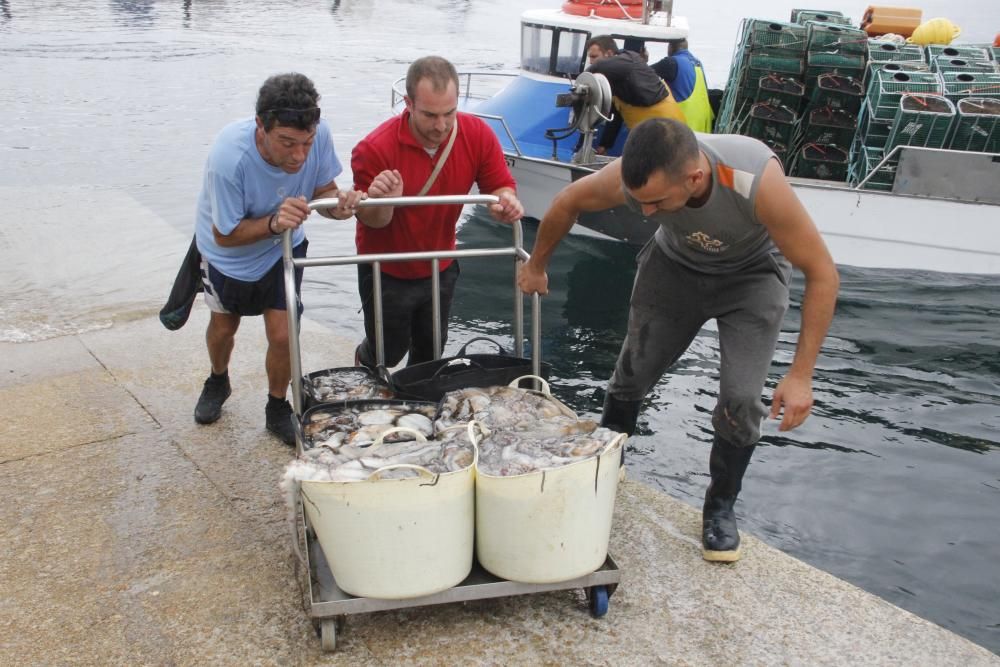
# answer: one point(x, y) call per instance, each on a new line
point(605, 9)
point(996, 40)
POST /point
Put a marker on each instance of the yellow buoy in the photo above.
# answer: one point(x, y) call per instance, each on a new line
point(934, 31)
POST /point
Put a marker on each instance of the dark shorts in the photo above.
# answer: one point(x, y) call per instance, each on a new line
point(239, 297)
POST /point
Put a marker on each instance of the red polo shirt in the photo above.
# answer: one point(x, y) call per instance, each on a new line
point(476, 158)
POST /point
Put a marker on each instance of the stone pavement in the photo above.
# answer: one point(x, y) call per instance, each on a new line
point(134, 536)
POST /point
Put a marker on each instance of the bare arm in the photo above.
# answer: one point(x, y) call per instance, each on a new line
point(291, 213)
point(596, 192)
point(388, 183)
point(795, 234)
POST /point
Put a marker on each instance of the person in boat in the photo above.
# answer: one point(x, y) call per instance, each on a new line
point(259, 174)
point(685, 76)
point(730, 230)
point(429, 149)
point(638, 92)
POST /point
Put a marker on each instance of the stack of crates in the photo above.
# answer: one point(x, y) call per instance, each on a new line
point(765, 50)
point(833, 48)
point(908, 57)
point(836, 57)
point(977, 125)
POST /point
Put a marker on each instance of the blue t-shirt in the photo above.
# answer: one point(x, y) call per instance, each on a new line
point(239, 184)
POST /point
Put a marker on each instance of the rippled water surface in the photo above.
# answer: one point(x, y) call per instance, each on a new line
point(893, 484)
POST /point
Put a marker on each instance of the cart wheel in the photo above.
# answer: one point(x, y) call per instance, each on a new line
point(328, 634)
point(598, 601)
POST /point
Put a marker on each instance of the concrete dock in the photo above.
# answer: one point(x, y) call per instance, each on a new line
point(134, 536)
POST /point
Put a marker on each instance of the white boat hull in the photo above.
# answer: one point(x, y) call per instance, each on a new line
point(861, 228)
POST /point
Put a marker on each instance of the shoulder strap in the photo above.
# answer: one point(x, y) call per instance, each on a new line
point(445, 152)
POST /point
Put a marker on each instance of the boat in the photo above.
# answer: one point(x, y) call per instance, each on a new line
point(916, 205)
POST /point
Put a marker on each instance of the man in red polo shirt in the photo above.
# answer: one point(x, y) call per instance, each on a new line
point(429, 149)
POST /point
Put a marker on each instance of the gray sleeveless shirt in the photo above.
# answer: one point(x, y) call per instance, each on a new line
point(723, 235)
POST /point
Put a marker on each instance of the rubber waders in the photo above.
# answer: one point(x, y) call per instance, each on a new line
point(620, 416)
point(720, 538)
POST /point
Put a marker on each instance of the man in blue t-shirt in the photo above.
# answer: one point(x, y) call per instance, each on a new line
point(259, 176)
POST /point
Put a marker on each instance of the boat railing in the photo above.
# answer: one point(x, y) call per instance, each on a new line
point(467, 95)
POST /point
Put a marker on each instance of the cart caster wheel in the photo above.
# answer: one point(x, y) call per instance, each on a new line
point(328, 628)
point(598, 601)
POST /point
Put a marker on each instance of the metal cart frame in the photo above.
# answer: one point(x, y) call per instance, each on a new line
point(328, 603)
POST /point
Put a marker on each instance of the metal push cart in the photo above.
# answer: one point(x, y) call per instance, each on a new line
point(328, 603)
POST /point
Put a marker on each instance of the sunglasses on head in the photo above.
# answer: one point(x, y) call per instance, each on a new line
point(287, 116)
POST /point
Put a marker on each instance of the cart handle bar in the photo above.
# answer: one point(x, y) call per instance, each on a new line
point(332, 202)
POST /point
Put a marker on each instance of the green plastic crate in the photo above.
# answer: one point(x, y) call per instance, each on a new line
point(772, 124)
point(922, 120)
point(895, 66)
point(826, 37)
point(977, 125)
point(885, 175)
point(964, 52)
point(959, 85)
point(949, 64)
point(881, 51)
point(825, 162)
point(829, 126)
point(838, 91)
point(887, 87)
point(780, 91)
point(821, 15)
point(874, 132)
point(760, 34)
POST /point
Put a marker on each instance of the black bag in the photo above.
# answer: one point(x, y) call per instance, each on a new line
point(431, 380)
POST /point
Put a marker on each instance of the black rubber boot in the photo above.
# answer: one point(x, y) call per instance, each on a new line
point(620, 416)
point(720, 538)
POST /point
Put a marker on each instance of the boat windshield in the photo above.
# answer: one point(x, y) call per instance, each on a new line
point(552, 50)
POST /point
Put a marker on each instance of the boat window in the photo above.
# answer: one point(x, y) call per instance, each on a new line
point(570, 54)
point(555, 51)
point(536, 48)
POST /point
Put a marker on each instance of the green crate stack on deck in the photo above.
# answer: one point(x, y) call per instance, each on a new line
point(764, 49)
point(902, 57)
point(836, 61)
point(959, 85)
point(995, 52)
point(977, 125)
point(922, 120)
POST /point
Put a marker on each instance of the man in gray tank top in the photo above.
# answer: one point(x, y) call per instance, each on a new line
point(730, 229)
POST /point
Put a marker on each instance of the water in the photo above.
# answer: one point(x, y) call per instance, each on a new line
point(109, 109)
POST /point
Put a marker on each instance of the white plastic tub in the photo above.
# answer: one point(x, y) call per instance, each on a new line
point(548, 526)
point(395, 538)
